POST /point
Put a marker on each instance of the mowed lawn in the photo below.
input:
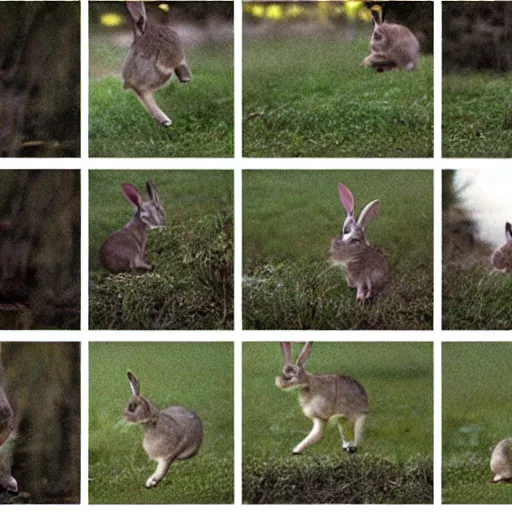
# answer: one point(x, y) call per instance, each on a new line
point(196, 375)
point(309, 97)
point(398, 431)
point(201, 111)
point(476, 416)
point(192, 284)
point(290, 218)
point(477, 115)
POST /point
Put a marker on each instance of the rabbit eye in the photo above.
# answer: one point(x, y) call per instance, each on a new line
point(132, 407)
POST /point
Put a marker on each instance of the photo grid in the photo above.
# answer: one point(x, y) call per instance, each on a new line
point(255, 253)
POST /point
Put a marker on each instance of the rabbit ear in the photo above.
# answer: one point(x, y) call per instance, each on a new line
point(134, 384)
point(508, 232)
point(377, 12)
point(151, 188)
point(346, 198)
point(130, 192)
point(305, 352)
point(368, 213)
point(138, 13)
point(287, 351)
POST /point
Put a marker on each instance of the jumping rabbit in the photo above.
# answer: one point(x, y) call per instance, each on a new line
point(501, 258)
point(323, 397)
point(125, 249)
point(392, 46)
point(170, 434)
point(366, 266)
point(154, 56)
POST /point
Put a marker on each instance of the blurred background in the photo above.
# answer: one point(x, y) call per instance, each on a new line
point(40, 79)
point(40, 249)
point(477, 68)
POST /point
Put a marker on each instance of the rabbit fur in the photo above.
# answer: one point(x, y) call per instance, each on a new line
point(125, 249)
point(501, 461)
point(170, 434)
point(366, 266)
point(501, 258)
point(154, 56)
point(323, 397)
point(392, 46)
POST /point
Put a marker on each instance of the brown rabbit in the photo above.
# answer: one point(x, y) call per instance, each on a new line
point(170, 434)
point(125, 249)
point(501, 258)
point(154, 56)
point(323, 397)
point(392, 46)
point(366, 266)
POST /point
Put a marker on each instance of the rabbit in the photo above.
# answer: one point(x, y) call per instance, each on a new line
point(170, 434)
point(501, 258)
point(501, 461)
point(154, 56)
point(125, 248)
point(323, 397)
point(366, 266)
point(392, 46)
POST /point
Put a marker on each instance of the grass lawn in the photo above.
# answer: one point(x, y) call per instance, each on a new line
point(476, 416)
point(201, 111)
point(192, 285)
point(170, 374)
point(290, 218)
point(312, 99)
point(396, 451)
point(477, 116)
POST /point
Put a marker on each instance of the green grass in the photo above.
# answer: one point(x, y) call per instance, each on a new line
point(170, 373)
point(202, 111)
point(318, 102)
point(477, 116)
point(192, 285)
point(397, 437)
point(476, 416)
point(476, 298)
point(290, 218)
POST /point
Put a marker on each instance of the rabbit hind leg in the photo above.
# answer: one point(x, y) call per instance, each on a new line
point(348, 446)
point(313, 437)
point(148, 101)
point(162, 467)
point(358, 429)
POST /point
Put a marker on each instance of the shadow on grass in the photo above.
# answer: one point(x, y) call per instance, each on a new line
point(191, 288)
point(315, 296)
point(354, 480)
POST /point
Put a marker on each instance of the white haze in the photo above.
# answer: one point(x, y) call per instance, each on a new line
point(485, 194)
